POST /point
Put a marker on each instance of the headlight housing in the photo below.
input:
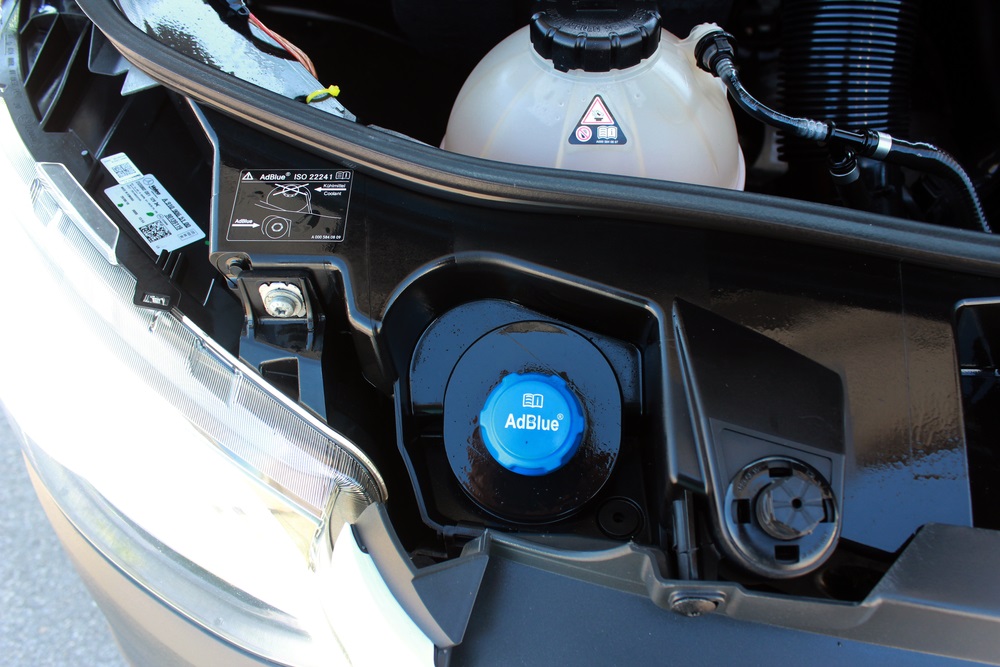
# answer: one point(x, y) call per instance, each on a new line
point(177, 461)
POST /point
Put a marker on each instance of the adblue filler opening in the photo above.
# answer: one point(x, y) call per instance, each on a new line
point(532, 424)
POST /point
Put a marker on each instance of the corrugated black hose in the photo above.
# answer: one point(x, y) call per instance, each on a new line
point(715, 54)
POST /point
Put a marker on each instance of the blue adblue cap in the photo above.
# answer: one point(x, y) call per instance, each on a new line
point(532, 424)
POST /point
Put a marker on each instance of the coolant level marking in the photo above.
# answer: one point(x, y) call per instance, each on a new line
point(291, 205)
point(598, 126)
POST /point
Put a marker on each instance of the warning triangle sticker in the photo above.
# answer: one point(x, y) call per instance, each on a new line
point(597, 114)
point(598, 126)
point(248, 177)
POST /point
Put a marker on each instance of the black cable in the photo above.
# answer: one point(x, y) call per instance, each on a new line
point(846, 174)
point(235, 15)
point(931, 159)
point(715, 54)
point(800, 127)
point(314, 15)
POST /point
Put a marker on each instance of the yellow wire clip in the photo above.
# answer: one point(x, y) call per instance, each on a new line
point(322, 94)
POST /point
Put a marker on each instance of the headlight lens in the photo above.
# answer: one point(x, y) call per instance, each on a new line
point(183, 446)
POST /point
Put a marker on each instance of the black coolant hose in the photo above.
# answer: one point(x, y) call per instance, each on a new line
point(715, 54)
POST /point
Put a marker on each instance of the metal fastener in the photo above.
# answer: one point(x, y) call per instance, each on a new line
point(282, 300)
point(691, 606)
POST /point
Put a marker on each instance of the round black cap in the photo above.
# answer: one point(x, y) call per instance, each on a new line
point(595, 35)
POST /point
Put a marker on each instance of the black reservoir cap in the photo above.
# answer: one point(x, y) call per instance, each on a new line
point(595, 35)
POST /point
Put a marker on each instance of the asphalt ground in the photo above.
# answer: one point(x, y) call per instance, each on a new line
point(47, 618)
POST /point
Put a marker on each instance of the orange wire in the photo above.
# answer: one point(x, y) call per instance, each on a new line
point(293, 50)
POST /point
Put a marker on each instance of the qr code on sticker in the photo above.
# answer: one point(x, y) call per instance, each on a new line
point(122, 171)
point(154, 231)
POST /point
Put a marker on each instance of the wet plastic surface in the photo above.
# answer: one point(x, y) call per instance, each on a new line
point(883, 326)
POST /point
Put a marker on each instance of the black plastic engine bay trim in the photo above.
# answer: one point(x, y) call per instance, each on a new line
point(462, 177)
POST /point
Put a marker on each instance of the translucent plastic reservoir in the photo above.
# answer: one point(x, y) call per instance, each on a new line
point(663, 118)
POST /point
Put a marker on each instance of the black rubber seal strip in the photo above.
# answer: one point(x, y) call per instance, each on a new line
point(461, 177)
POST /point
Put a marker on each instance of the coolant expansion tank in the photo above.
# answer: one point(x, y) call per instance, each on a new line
point(599, 89)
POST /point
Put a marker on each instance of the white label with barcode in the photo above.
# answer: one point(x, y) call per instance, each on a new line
point(155, 214)
point(121, 167)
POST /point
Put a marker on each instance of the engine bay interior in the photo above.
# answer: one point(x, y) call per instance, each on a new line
point(778, 414)
point(890, 67)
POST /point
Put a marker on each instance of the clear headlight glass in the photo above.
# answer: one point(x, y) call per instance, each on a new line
point(193, 468)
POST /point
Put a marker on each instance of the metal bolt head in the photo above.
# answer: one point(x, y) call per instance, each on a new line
point(280, 306)
point(282, 300)
point(693, 606)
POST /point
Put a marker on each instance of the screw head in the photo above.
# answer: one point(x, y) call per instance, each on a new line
point(282, 300)
point(693, 606)
point(280, 306)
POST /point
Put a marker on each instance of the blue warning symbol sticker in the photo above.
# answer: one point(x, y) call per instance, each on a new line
point(598, 126)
